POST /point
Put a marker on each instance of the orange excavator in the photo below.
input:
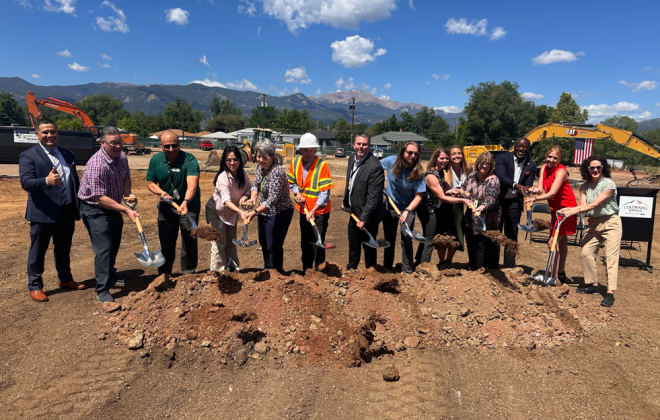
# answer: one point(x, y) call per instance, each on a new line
point(131, 141)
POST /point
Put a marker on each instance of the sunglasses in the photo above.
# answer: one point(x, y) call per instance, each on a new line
point(484, 165)
point(412, 153)
point(169, 146)
point(596, 168)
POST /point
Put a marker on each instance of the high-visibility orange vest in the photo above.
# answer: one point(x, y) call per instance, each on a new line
point(317, 180)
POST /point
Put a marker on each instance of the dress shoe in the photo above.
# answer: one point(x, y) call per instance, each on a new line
point(38, 296)
point(72, 285)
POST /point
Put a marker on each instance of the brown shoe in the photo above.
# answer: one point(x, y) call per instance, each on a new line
point(38, 296)
point(72, 285)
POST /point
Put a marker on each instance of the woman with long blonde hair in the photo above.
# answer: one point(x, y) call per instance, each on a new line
point(455, 175)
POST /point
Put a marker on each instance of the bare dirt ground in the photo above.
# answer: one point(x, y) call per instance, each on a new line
point(68, 358)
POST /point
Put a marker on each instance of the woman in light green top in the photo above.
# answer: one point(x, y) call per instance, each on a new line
point(598, 203)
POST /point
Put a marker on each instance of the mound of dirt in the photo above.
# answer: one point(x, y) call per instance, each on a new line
point(445, 241)
point(206, 233)
point(500, 239)
point(541, 225)
point(349, 318)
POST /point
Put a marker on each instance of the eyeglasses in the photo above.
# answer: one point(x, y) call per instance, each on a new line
point(412, 153)
point(169, 146)
point(231, 160)
point(484, 165)
point(596, 168)
point(116, 144)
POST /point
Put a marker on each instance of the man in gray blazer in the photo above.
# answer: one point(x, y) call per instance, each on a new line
point(363, 196)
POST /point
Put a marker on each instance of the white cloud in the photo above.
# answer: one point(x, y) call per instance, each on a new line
point(497, 33)
point(374, 91)
point(347, 14)
point(77, 67)
point(384, 98)
point(65, 6)
point(318, 91)
point(177, 15)
point(106, 57)
point(448, 109)
point(411, 5)
point(259, 32)
point(364, 86)
point(203, 61)
point(24, 3)
point(657, 104)
point(462, 27)
point(208, 82)
point(556, 56)
point(115, 23)
point(296, 90)
point(339, 83)
point(104, 65)
point(354, 51)
point(247, 10)
point(641, 116)
point(598, 112)
point(444, 77)
point(349, 85)
point(583, 95)
point(647, 68)
point(65, 53)
point(244, 84)
point(531, 96)
point(297, 75)
point(638, 87)
point(387, 85)
point(36, 76)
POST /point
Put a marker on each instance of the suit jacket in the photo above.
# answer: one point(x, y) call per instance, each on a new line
point(505, 170)
point(367, 193)
point(43, 203)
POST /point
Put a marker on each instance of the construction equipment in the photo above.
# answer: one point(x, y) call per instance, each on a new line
point(406, 230)
point(528, 227)
point(193, 225)
point(597, 131)
point(380, 243)
point(470, 153)
point(249, 154)
point(550, 281)
point(243, 242)
point(146, 258)
point(318, 242)
point(131, 141)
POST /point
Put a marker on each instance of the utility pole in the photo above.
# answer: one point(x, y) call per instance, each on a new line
point(264, 104)
point(352, 108)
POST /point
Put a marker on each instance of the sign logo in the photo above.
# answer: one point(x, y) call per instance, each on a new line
point(638, 207)
point(24, 136)
point(571, 132)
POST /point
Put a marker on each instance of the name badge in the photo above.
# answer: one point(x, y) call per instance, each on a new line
point(176, 169)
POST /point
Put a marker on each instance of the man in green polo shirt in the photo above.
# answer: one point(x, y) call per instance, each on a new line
point(174, 174)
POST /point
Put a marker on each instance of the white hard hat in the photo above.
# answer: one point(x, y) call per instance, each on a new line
point(308, 141)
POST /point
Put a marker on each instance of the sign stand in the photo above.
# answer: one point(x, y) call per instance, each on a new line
point(637, 212)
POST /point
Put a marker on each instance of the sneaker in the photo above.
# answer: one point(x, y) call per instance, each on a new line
point(118, 283)
point(104, 296)
point(589, 290)
point(608, 301)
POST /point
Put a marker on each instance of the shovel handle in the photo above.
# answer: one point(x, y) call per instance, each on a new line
point(355, 218)
point(309, 220)
point(528, 205)
point(139, 225)
point(176, 206)
point(396, 209)
point(556, 235)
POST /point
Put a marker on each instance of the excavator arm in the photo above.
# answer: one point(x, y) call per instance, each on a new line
point(35, 111)
point(598, 131)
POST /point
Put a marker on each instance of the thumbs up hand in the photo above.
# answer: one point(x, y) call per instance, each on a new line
point(53, 177)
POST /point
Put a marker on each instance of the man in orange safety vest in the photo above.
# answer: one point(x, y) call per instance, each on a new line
point(309, 180)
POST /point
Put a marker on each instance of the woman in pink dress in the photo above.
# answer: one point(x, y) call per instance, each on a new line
point(554, 187)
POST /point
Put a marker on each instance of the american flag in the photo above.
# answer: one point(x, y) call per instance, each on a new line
point(583, 149)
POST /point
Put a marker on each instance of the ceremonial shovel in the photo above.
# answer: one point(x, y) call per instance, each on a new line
point(550, 281)
point(146, 258)
point(193, 225)
point(473, 207)
point(528, 227)
point(244, 243)
point(406, 231)
point(318, 242)
point(381, 243)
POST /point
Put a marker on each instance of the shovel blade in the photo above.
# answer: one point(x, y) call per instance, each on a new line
point(380, 243)
point(419, 237)
point(527, 229)
point(155, 259)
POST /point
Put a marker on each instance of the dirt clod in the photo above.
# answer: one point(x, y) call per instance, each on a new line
point(206, 233)
point(445, 241)
point(541, 225)
point(500, 239)
point(391, 373)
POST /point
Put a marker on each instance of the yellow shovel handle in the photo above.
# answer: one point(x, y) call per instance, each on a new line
point(396, 209)
point(309, 220)
point(139, 225)
point(355, 218)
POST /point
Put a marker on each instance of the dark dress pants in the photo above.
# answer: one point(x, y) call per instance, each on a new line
point(510, 219)
point(104, 227)
point(169, 224)
point(482, 252)
point(272, 233)
point(356, 242)
point(312, 256)
point(390, 225)
point(40, 236)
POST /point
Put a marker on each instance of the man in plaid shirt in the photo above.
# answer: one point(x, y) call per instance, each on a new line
point(106, 180)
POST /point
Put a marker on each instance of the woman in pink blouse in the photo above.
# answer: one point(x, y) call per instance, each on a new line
point(232, 188)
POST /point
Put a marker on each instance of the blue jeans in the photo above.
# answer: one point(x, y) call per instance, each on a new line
point(272, 233)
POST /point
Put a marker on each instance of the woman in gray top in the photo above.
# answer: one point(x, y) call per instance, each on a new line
point(598, 203)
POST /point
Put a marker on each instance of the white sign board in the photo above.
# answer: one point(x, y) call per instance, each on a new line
point(24, 136)
point(639, 207)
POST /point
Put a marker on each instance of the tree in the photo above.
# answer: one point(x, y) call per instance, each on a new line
point(568, 111)
point(407, 121)
point(180, 114)
point(544, 114)
point(227, 107)
point(215, 106)
point(225, 123)
point(653, 136)
point(497, 112)
point(256, 114)
point(623, 122)
point(103, 109)
point(10, 111)
point(295, 121)
point(342, 129)
point(69, 124)
point(129, 124)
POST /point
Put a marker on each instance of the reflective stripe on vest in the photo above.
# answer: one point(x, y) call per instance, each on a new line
point(312, 191)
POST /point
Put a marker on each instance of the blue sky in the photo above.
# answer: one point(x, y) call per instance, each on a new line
point(606, 53)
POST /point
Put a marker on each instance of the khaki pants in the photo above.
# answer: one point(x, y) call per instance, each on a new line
point(606, 231)
point(223, 248)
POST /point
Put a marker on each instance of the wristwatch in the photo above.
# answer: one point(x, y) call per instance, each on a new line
point(186, 200)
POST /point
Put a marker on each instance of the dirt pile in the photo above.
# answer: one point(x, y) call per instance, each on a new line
point(445, 241)
point(500, 239)
point(541, 225)
point(341, 318)
point(206, 233)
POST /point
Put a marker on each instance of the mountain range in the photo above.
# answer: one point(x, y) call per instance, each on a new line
point(152, 99)
point(644, 126)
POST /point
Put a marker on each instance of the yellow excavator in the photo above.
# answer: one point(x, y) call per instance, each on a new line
point(283, 150)
point(597, 131)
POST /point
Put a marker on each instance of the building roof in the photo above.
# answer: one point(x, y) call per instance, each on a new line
point(399, 137)
point(378, 141)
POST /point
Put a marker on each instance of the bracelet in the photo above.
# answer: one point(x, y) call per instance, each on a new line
point(186, 200)
point(407, 209)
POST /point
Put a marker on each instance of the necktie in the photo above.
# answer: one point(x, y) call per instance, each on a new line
point(60, 172)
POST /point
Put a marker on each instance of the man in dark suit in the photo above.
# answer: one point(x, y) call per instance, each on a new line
point(516, 172)
point(363, 196)
point(48, 174)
